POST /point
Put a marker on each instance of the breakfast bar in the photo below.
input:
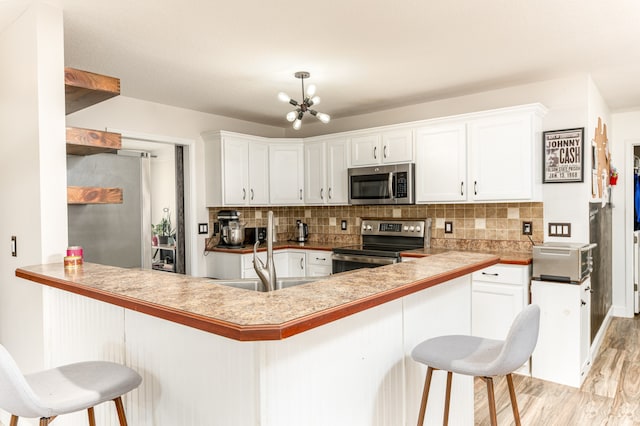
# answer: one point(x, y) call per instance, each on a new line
point(333, 351)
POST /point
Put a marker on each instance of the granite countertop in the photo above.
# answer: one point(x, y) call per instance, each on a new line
point(248, 315)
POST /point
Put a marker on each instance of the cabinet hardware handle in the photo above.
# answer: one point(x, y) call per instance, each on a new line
point(244, 194)
point(375, 152)
point(493, 275)
point(330, 193)
point(301, 263)
point(251, 193)
point(322, 193)
point(384, 152)
point(475, 187)
point(461, 188)
point(587, 289)
point(321, 258)
point(301, 193)
point(582, 302)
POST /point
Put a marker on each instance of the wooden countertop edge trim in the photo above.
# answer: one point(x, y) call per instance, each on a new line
point(253, 332)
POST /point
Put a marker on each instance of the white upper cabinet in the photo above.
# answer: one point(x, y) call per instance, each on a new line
point(490, 156)
point(236, 170)
point(397, 146)
point(286, 172)
point(394, 146)
point(325, 170)
point(441, 163)
point(501, 153)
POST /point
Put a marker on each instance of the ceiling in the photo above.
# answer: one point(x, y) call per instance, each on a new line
point(231, 58)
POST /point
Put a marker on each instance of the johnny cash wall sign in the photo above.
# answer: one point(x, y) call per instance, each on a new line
point(563, 155)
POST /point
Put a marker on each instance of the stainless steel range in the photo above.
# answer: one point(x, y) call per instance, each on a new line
point(382, 242)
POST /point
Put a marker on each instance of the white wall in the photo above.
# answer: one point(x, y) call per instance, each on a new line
point(138, 116)
point(32, 171)
point(625, 133)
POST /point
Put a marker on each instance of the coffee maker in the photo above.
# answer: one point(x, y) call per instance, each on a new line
point(231, 230)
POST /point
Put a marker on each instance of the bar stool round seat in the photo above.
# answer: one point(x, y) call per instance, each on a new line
point(480, 357)
point(62, 390)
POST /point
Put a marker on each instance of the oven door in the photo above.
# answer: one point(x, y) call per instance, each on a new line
point(348, 262)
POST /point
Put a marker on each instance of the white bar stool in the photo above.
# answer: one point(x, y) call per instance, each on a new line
point(67, 389)
point(479, 357)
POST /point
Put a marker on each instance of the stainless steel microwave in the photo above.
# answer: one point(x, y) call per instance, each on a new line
point(392, 184)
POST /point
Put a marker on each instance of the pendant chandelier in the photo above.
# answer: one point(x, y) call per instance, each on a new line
point(308, 100)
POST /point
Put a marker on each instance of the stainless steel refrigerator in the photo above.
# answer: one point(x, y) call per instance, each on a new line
point(113, 234)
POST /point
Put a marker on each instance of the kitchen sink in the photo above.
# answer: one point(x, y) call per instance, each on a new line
point(255, 284)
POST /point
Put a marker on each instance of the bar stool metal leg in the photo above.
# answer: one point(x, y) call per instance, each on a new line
point(425, 396)
point(514, 402)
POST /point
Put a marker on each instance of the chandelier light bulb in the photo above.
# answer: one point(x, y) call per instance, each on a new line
point(297, 124)
point(323, 117)
point(284, 97)
point(311, 90)
point(292, 116)
point(315, 100)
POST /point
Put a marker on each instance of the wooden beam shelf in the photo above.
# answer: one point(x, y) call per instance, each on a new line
point(83, 89)
point(88, 142)
point(93, 195)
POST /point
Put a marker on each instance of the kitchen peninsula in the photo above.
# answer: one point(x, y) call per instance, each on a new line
point(335, 351)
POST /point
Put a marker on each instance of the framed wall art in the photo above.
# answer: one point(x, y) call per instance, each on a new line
point(563, 156)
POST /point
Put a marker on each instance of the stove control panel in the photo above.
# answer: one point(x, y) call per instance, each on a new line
point(400, 228)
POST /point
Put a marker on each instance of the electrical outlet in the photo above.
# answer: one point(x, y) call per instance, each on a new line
point(343, 225)
point(527, 228)
point(448, 227)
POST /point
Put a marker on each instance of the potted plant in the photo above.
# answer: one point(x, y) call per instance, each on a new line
point(163, 229)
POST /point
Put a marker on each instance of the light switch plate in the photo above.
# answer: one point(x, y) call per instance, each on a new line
point(203, 228)
point(559, 229)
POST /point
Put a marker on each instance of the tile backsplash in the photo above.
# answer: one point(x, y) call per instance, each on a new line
point(475, 226)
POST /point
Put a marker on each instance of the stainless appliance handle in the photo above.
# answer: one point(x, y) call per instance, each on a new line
point(391, 195)
point(589, 247)
point(364, 259)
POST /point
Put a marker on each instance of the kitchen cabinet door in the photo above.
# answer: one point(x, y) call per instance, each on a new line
point(235, 178)
point(562, 354)
point(494, 307)
point(337, 171)
point(315, 165)
point(441, 163)
point(286, 173)
point(397, 146)
point(501, 154)
point(258, 174)
point(297, 261)
point(365, 150)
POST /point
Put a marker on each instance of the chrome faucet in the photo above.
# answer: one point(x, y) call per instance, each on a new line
point(266, 273)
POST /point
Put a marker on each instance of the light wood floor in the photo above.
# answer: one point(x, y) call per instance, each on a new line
point(609, 396)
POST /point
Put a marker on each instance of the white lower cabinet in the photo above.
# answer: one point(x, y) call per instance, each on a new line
point(318, 263)
point(499, 293)
point(296, 260)
point(562, 354)
point(288, 263)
